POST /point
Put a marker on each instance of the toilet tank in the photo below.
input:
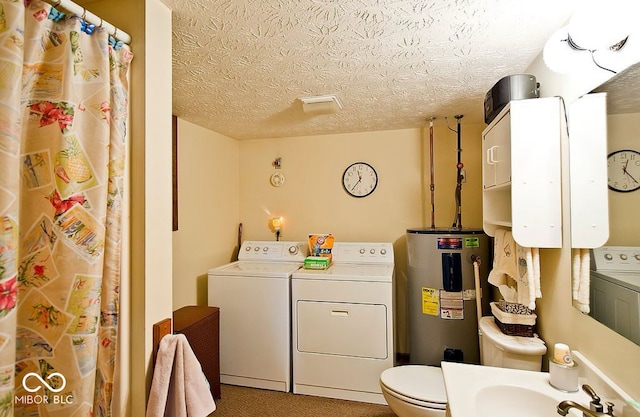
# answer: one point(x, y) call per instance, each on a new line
point(504, 351)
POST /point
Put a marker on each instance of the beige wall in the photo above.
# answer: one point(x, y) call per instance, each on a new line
point(208, 193)
point(558, 321)
point(313, 200)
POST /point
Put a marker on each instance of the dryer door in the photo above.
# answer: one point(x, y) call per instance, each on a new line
point(345, 329)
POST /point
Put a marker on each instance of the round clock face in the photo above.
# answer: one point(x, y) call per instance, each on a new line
point(359, 179)
point(623, 168)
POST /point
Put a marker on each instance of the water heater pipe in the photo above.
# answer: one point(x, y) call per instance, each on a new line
point(458, 219)
point(432, 186)
point(476, 276)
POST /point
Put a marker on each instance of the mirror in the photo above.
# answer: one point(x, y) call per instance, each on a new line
point(614, 298)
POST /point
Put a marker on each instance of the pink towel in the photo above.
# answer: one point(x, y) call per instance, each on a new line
point(179, 387)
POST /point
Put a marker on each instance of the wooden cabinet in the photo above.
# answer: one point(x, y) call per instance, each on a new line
point(521, 172)
point(201, 327)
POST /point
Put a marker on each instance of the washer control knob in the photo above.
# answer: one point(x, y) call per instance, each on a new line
point(383, 251)
point(637, 256)
point(293, 250)
point(257, 249)
point(362, 251)
point(248, 248)
point(372, 251)
point(623, 256)
point(265, 249)
point(608, 256)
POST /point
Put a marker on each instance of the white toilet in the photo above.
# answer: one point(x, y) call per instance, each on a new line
point(418, 390)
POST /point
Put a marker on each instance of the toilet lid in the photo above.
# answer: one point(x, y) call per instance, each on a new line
point(422, 383)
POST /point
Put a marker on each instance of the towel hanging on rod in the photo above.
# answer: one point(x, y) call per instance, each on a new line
point(89, 17)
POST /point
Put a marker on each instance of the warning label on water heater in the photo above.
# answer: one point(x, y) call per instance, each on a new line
point(430, 301)
point(451, 305)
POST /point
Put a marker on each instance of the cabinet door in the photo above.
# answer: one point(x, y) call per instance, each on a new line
point(496, 147)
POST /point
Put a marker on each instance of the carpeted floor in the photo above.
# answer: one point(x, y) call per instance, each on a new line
point(250, 402)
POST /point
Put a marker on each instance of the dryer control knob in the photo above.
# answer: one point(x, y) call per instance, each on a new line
point(257, 249)
point(372, 251)
point(293, 250)
point(248, 248)
point(362, 251)
point(383, 251)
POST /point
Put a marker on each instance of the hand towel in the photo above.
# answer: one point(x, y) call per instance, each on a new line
point(179, 387)
point(528, 279)
point(504, 270)
point(580, 279)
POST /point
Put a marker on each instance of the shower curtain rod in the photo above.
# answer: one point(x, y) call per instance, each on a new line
point(89, 17)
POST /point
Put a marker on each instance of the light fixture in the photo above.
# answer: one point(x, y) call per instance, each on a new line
point(326, 104)
point(596, 35)
point(276, 225)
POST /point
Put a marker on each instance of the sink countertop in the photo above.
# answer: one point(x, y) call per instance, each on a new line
point(464, 381)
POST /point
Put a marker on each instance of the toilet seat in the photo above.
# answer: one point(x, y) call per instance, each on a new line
point(419, 385)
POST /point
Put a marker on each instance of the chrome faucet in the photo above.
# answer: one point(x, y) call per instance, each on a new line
point(595, 408)
point(565, 406)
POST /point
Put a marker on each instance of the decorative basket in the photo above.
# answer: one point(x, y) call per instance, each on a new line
point(516, 329)
point(514, 324)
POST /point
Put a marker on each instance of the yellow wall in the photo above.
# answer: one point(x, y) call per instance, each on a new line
point(313, 200)
point(208, 192)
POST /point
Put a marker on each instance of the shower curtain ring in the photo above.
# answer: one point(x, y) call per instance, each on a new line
point(115, 33)
point(84, 15)
point(100, 25)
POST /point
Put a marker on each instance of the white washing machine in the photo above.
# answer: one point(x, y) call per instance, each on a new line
point(615, 289)
point(254, 296)
point(343, 323)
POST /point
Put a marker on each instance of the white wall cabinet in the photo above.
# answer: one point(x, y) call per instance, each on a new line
point(521, 172)
point(588, 171)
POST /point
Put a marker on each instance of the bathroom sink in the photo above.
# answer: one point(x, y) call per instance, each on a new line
point(504, 399)
point(485, 391)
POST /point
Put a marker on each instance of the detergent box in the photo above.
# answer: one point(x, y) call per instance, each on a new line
point(321, 244)
point(316, 262)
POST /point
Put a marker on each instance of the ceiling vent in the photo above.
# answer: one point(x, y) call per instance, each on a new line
point(321, 104)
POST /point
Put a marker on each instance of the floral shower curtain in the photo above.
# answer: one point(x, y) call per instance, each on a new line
point(63, 126)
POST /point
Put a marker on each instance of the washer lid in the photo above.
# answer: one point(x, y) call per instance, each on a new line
point(257, 269)
point(421, 382)
point(516, 344)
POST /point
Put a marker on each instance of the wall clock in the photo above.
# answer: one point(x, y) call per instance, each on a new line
point(359, 179)
point(623, 168)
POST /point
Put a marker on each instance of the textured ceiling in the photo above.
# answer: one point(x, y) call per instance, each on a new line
point(239, 66)
point(623, 91)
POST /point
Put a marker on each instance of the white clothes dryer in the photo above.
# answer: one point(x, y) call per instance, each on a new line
point(343, 323)
point(254, 296)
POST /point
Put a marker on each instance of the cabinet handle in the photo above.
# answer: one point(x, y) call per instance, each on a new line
point(491, 155)
point(340, 313)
